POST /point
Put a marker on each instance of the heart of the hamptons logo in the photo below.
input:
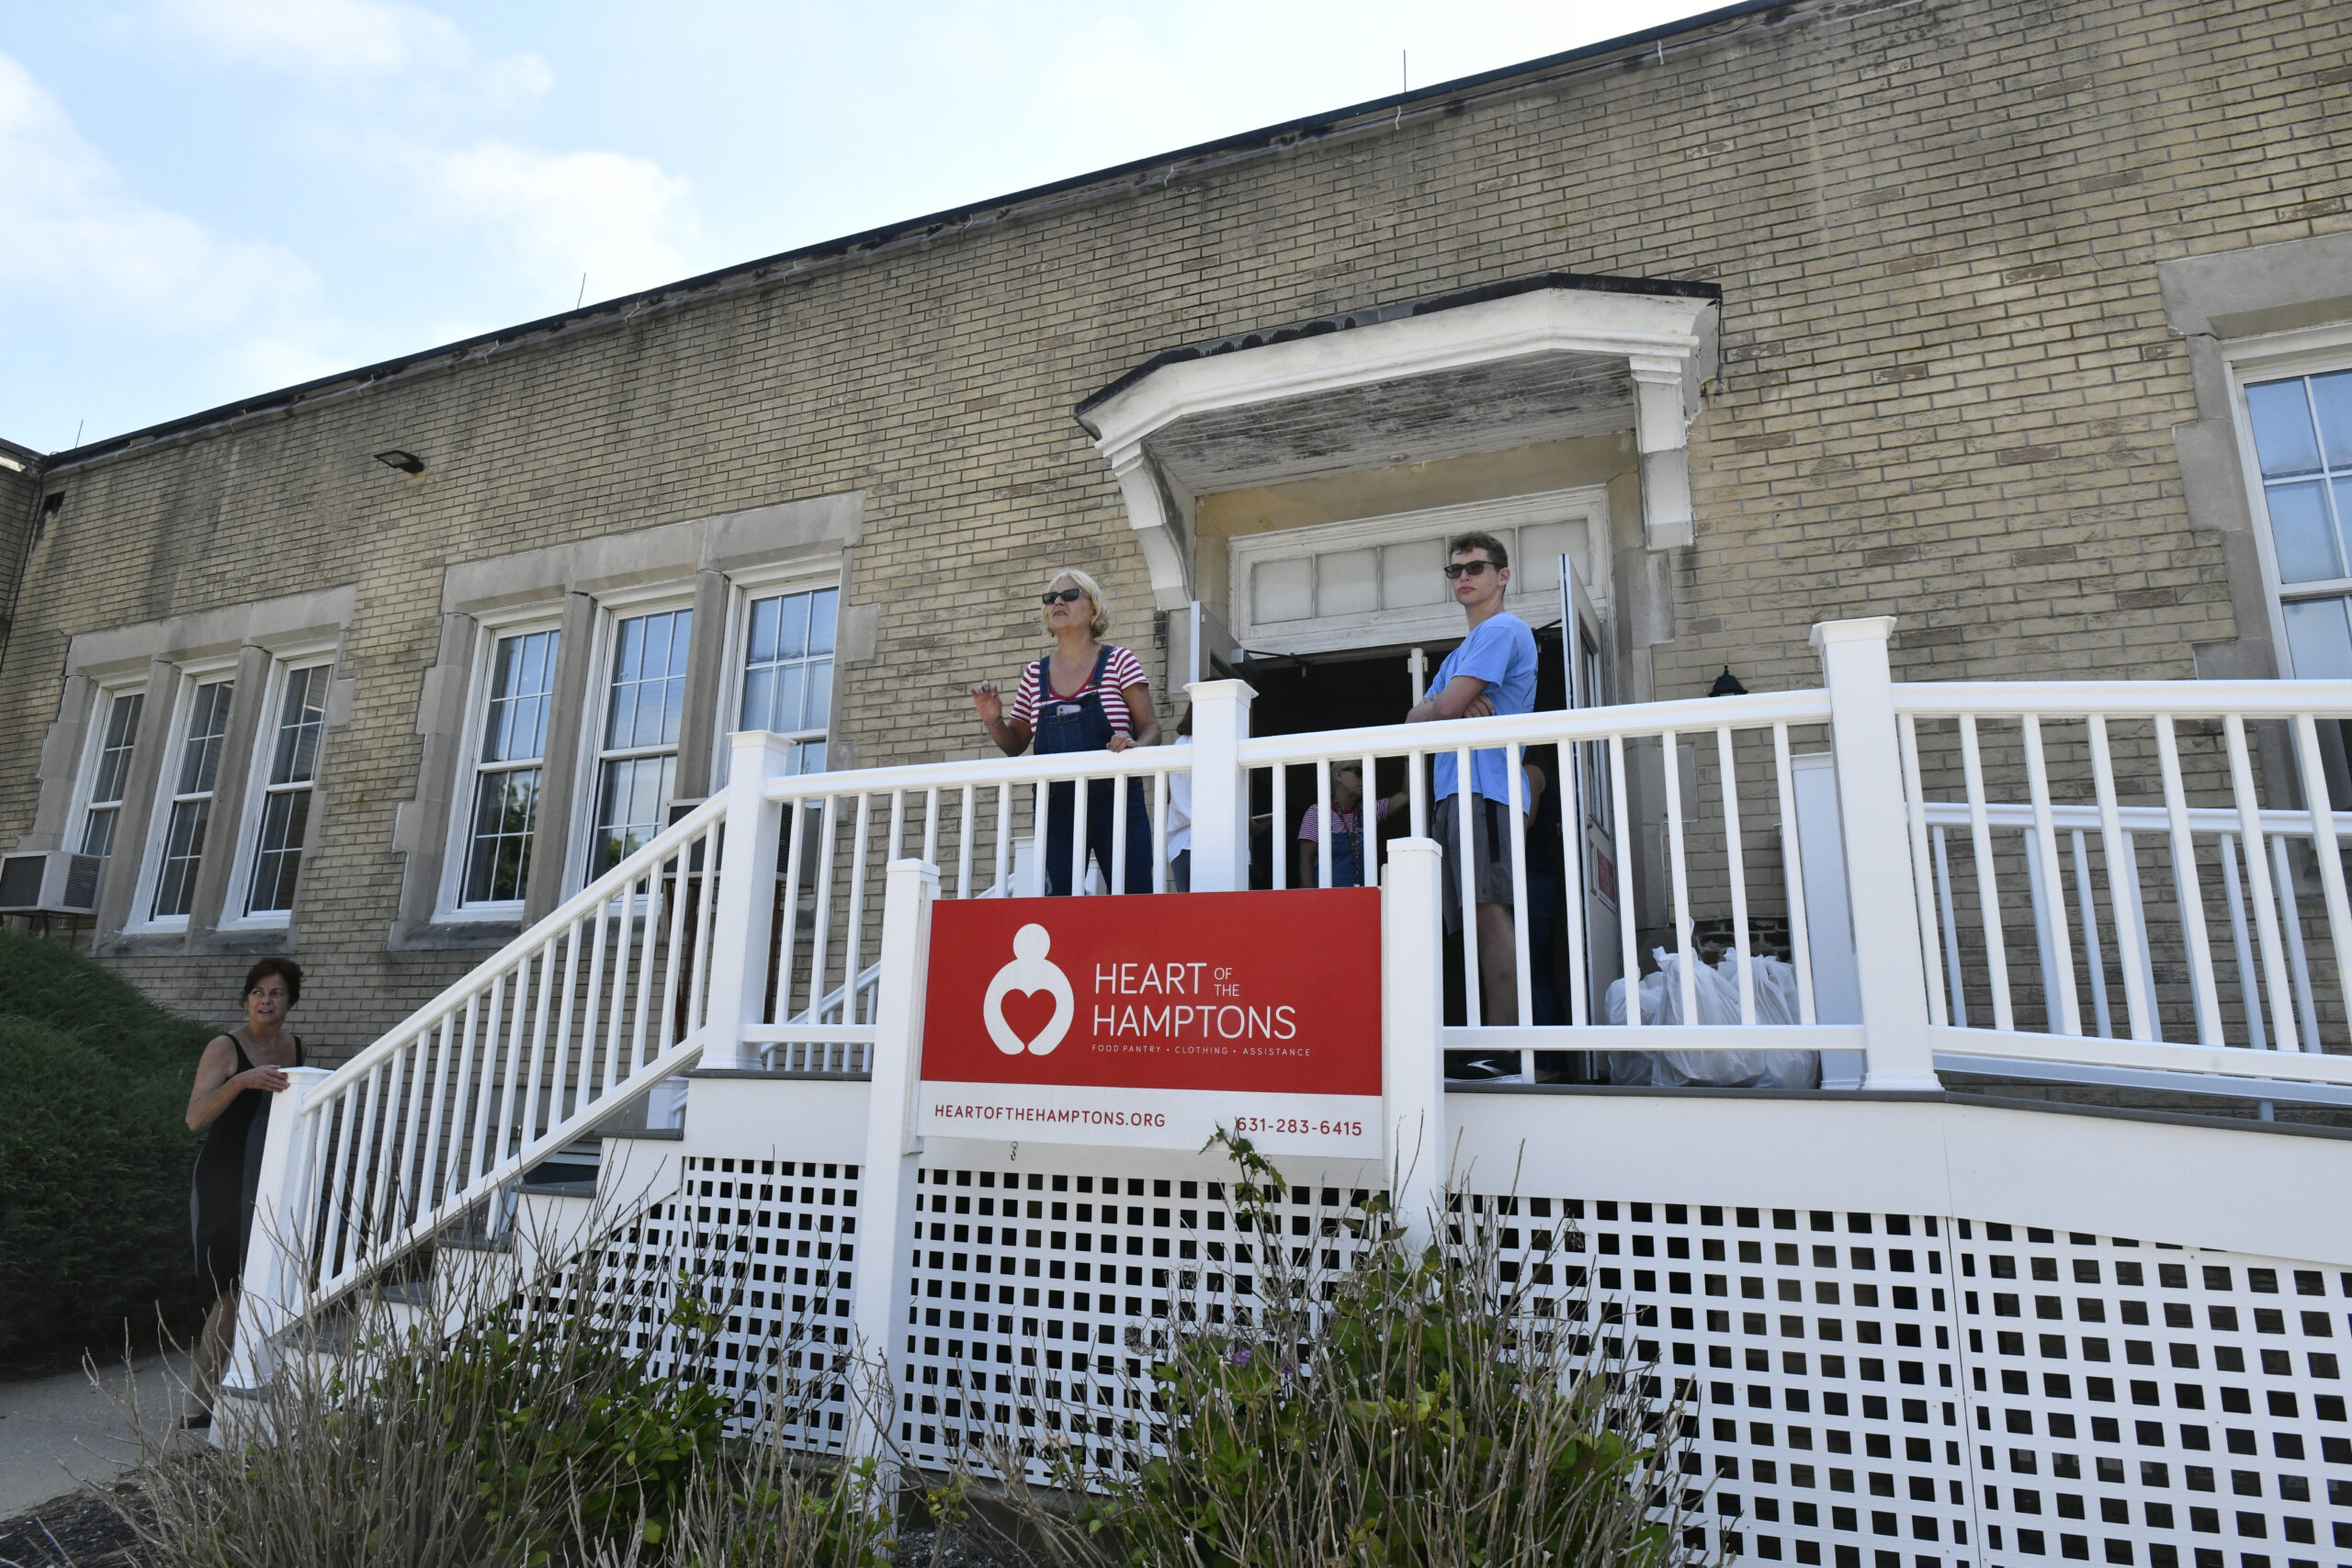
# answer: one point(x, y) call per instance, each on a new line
point(1030, 973)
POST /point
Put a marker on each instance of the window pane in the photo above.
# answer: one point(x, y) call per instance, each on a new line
point(790, 699)
point(498, 862)
point(1535, 565)
point(114, 755)
point(817, 711)
point(2319, 640)
point(1346, 583)
point(630, 807)
point(792, 626)
point(183, 847)
point(1414, 574)
point(1282, 590)
point(822, 606)
point(759, 698)
point(277, 862)
point(2300, 531)
point(296, 757)
point(522, 676)
point(2332, 399)
point(2282, 428)
point(807, 757)
point(208, 725)
point(98, 830)
point(759, 638)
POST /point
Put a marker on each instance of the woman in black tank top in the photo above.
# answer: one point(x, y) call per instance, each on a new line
point(230, 1105)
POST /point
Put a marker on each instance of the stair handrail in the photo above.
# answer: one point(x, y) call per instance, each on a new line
point(613, 884)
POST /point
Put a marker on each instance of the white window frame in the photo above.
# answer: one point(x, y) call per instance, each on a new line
point(451, 906)
point(612, 609)
point(2276, 357)
point(85, 779)
point(1587, 504)
point(192, 676)
point(744, 588)
point(283, 667)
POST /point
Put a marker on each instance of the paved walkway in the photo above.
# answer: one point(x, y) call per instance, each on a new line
point(59, 1430)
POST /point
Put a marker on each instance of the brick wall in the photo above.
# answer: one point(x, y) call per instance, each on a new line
point(1946, 395)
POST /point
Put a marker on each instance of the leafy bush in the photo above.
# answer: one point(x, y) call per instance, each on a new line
point(530, 1434)
point(1411, 1412)
point(95, 1156)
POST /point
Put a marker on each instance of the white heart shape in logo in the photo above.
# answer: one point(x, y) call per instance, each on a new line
point(1029, 973)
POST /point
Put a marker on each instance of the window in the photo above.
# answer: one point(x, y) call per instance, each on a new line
point(1380, 582)
point(508, 767)
point(286, 791)
point(788, 672)
point(2303, 441)
point(636, 752)
point(110, 770)
point(198, 763)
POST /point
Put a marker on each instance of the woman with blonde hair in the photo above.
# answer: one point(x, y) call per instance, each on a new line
point(1086, 696)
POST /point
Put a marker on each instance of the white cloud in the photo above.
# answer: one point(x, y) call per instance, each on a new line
point(348, 44)
point(79, 240)
point(325, 37)
point(621, 219)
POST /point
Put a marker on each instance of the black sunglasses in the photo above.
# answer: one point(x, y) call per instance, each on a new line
point(1061, 597)
point(1466, 568)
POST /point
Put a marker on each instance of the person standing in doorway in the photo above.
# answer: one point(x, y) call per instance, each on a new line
point(230, 1105)
point(1493, 671)
point(1356, 845)
point(1086, 696)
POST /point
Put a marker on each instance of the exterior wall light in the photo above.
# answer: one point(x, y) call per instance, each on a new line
point(1727, 685)
point(406, 462)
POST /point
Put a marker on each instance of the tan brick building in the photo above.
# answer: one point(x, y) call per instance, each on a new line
point(1945, 310)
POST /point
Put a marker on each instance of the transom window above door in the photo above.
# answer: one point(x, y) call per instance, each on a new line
point(1382, 582)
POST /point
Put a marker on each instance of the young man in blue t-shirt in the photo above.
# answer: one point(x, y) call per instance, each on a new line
point(1493, 671)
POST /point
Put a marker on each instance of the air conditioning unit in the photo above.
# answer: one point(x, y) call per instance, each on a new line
point(52, 882)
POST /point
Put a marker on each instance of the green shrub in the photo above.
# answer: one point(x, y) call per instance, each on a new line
point(1412, 1411)
point(95, 1156)
point(529, 1436)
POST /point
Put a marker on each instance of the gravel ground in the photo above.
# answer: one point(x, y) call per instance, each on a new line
point(77, 1530)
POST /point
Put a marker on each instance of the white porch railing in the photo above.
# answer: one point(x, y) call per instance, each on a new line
point(1998, 854)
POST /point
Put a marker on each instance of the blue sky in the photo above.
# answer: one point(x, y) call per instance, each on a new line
point(201, 200)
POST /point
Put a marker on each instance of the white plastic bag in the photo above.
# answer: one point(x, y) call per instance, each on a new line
point(1716, 988)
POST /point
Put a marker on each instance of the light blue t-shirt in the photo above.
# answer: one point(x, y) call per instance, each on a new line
point(1501, 652)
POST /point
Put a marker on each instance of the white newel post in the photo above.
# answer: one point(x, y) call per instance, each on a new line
point(1892, 980)
point(1412, 1014)
point(1220, 787)
point(743, 917)
point(273, 1274)
point(891, 1146)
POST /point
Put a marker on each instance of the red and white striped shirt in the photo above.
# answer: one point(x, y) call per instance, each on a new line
point(1121, 671)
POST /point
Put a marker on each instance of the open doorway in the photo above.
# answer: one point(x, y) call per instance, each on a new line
point(1344, 690)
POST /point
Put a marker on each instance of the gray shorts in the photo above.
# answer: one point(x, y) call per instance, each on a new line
point(1489, 849)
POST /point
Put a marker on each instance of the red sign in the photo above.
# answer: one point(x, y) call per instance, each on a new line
point(1152, 1020)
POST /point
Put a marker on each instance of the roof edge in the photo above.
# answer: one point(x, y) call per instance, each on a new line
point(866, 239)
point(1590, 283)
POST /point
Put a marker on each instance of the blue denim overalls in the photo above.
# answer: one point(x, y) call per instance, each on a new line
point(1078, 724)
point(1346, 859)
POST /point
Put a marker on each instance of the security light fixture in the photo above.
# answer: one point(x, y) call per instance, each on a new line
point(1727, 685)
point(406, 462)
